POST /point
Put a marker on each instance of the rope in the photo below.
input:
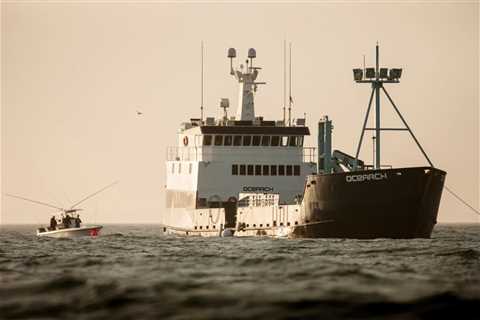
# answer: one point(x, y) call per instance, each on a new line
point(461, 200)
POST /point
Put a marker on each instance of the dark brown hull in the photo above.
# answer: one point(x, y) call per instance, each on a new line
point(392, 203)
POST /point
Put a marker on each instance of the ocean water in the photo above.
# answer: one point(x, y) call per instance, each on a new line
point(137, 272)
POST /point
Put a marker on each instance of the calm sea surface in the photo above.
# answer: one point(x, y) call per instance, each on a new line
point(136, 272)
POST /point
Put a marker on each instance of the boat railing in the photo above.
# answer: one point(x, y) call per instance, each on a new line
point(308, 154)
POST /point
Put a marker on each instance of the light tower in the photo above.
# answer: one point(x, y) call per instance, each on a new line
point(377, 77)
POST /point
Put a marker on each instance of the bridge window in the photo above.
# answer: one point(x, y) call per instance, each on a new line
point(190, 168)
point(300, 141)
point(292, 141)
point(284, 141)
point(258, 170)
point(250, 170)
point(218, 140)
point(235, 169)
point(247, 140)
point(281, 170)
point(265, 141)
point(266, 171)
point(207, 140)
point(273, 170)
point(242, 170)
point(173, 167)
point(289, 170)
point(296, 170)
point(256, 141)
point(227, 141)
point(275, 141)
point(179, 168)
point(237, 140)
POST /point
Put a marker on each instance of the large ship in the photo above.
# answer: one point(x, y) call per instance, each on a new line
point(244, 175)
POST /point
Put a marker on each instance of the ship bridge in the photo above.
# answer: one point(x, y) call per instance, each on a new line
point(215, 163)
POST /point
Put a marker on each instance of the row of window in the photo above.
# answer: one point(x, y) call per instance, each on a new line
point(252, 169)
point(263, 141)
point(180, 168)
point(265, 170)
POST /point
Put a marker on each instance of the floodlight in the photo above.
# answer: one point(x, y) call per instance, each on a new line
point(232, 53)
point(383, 73)
point(252, 53)
point(357, 74)
point(399, 73)
point(395, 73)
point(370, 73)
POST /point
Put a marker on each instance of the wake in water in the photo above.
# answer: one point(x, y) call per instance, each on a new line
point(137, 272)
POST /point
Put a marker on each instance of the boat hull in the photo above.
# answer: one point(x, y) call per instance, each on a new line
point(92, 231)
point(392, 203)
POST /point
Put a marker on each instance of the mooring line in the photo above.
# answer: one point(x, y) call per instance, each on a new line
point(461, 200)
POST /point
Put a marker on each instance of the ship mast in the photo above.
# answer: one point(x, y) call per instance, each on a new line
point(247, 85)
point(377, 77)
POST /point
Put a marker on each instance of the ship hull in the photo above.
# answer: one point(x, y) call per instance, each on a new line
point(394, 203)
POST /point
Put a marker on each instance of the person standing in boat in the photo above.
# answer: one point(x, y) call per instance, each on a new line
point(68, 221)
point(78, 221)
point(53, 223)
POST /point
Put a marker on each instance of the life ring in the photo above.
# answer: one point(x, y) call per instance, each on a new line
point(232, 199)
point(185, 141)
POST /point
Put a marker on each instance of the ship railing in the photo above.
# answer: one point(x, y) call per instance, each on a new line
point(309, 154)
point(184, 154)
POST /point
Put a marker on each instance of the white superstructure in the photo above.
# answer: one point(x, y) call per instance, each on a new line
point(217, 161)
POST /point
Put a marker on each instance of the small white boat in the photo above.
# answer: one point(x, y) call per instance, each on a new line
point(66, 225)
point(87, 231)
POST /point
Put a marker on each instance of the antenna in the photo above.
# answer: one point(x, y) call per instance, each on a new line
point(363, 64)
point(93, 194)
point(290, 100)
point(284, 79)
point(201, 82)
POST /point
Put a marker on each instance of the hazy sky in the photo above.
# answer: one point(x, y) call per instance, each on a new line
point(74, 74)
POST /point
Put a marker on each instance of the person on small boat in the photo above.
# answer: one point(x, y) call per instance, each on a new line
point(78, 221)
point(68, 221)
point(53, 223)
